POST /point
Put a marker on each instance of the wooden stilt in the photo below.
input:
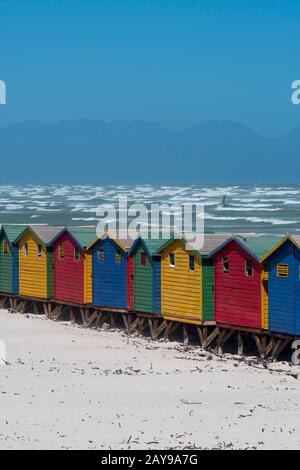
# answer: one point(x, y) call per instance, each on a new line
point(186, 339)
point(82, 313)
point(210, 338)
point(160, 329)
point(240, 343)
point(133, 326)
point(200, 335)
point(124, 318)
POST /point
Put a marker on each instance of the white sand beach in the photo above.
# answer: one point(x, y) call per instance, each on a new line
point(65, 387)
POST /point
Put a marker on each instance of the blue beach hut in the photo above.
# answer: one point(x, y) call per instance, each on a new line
point(284, 286)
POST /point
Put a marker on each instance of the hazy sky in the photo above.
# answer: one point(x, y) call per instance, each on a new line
point(174, 62)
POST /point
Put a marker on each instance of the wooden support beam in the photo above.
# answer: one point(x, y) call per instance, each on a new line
point(20, 306)
point(92, 318)
point(220, 341)
point(200, 335)
point(269, 348)
point(168, 329)
point(241, 343)
point(259, 346)
point(82, 314)
point(133, 325)
point(35, 308)
point(160, 329)
point(125, 321)
point(186, 339)
point(279, 348)
point(98, 319)
point(113, 320)
point(142, 325)
point(150, 324)
point(45, 306)
point(72, 315)
point(210, 338)
point(57, 313)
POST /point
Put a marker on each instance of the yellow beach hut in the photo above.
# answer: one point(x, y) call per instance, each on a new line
point(187, 280)
point(36, 261)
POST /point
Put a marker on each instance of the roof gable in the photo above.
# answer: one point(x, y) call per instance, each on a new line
point(151, 247)
point(294, 239)
point(82, 237)
point(256, 245)
point(12, 232)
point(107, 237)
point(45, 234)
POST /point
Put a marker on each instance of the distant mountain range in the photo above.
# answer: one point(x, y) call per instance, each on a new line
point(138, 152)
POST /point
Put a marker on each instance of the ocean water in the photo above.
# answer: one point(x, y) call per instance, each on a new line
point(263, 209)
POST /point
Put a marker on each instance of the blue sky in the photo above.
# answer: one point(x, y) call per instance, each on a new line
point(174, 62)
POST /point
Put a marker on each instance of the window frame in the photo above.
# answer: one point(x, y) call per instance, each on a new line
point(101, 258)
point(118, 256)
point(76, 250)
point(25, 250)
point(248, 260)
point(5, 249)
point(61, 249)
point(172, 264)
point(39, 250)
point(143, 260)
point(226, 259)
point(192, 265)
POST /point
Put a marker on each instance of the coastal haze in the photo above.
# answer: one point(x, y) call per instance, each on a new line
point(95, 152)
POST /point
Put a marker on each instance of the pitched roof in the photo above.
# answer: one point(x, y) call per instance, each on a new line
point(83, 235)
point(12, 232)
point(151, 246)
point(256, 245)
point(210, 243)
point(124, 244)
point(295, 239)
point(44, 233)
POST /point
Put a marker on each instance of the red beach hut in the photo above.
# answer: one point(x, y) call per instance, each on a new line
point(73, 266)
point(241, 286)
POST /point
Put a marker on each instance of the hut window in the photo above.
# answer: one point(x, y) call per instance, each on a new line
point(283, 271)
point(5, 248)
point(118, 256)
point(25, 249)
point(61, 251)
point(226, 265)
point(192, 263)
point(101, 255)
point(172, 260)
point(143, 259)
point(76, 254)
point(249, 267)
point(39, 251)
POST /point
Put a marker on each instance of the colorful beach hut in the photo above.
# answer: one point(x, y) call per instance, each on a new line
point(9, 258)
point(112, 273)
point(36, 261)
point(284, 286)
point(187, 280)
point(73, 265)
point(241, 281)
point(147, 275)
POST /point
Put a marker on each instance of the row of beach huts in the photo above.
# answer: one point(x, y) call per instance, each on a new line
point(247, 281)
